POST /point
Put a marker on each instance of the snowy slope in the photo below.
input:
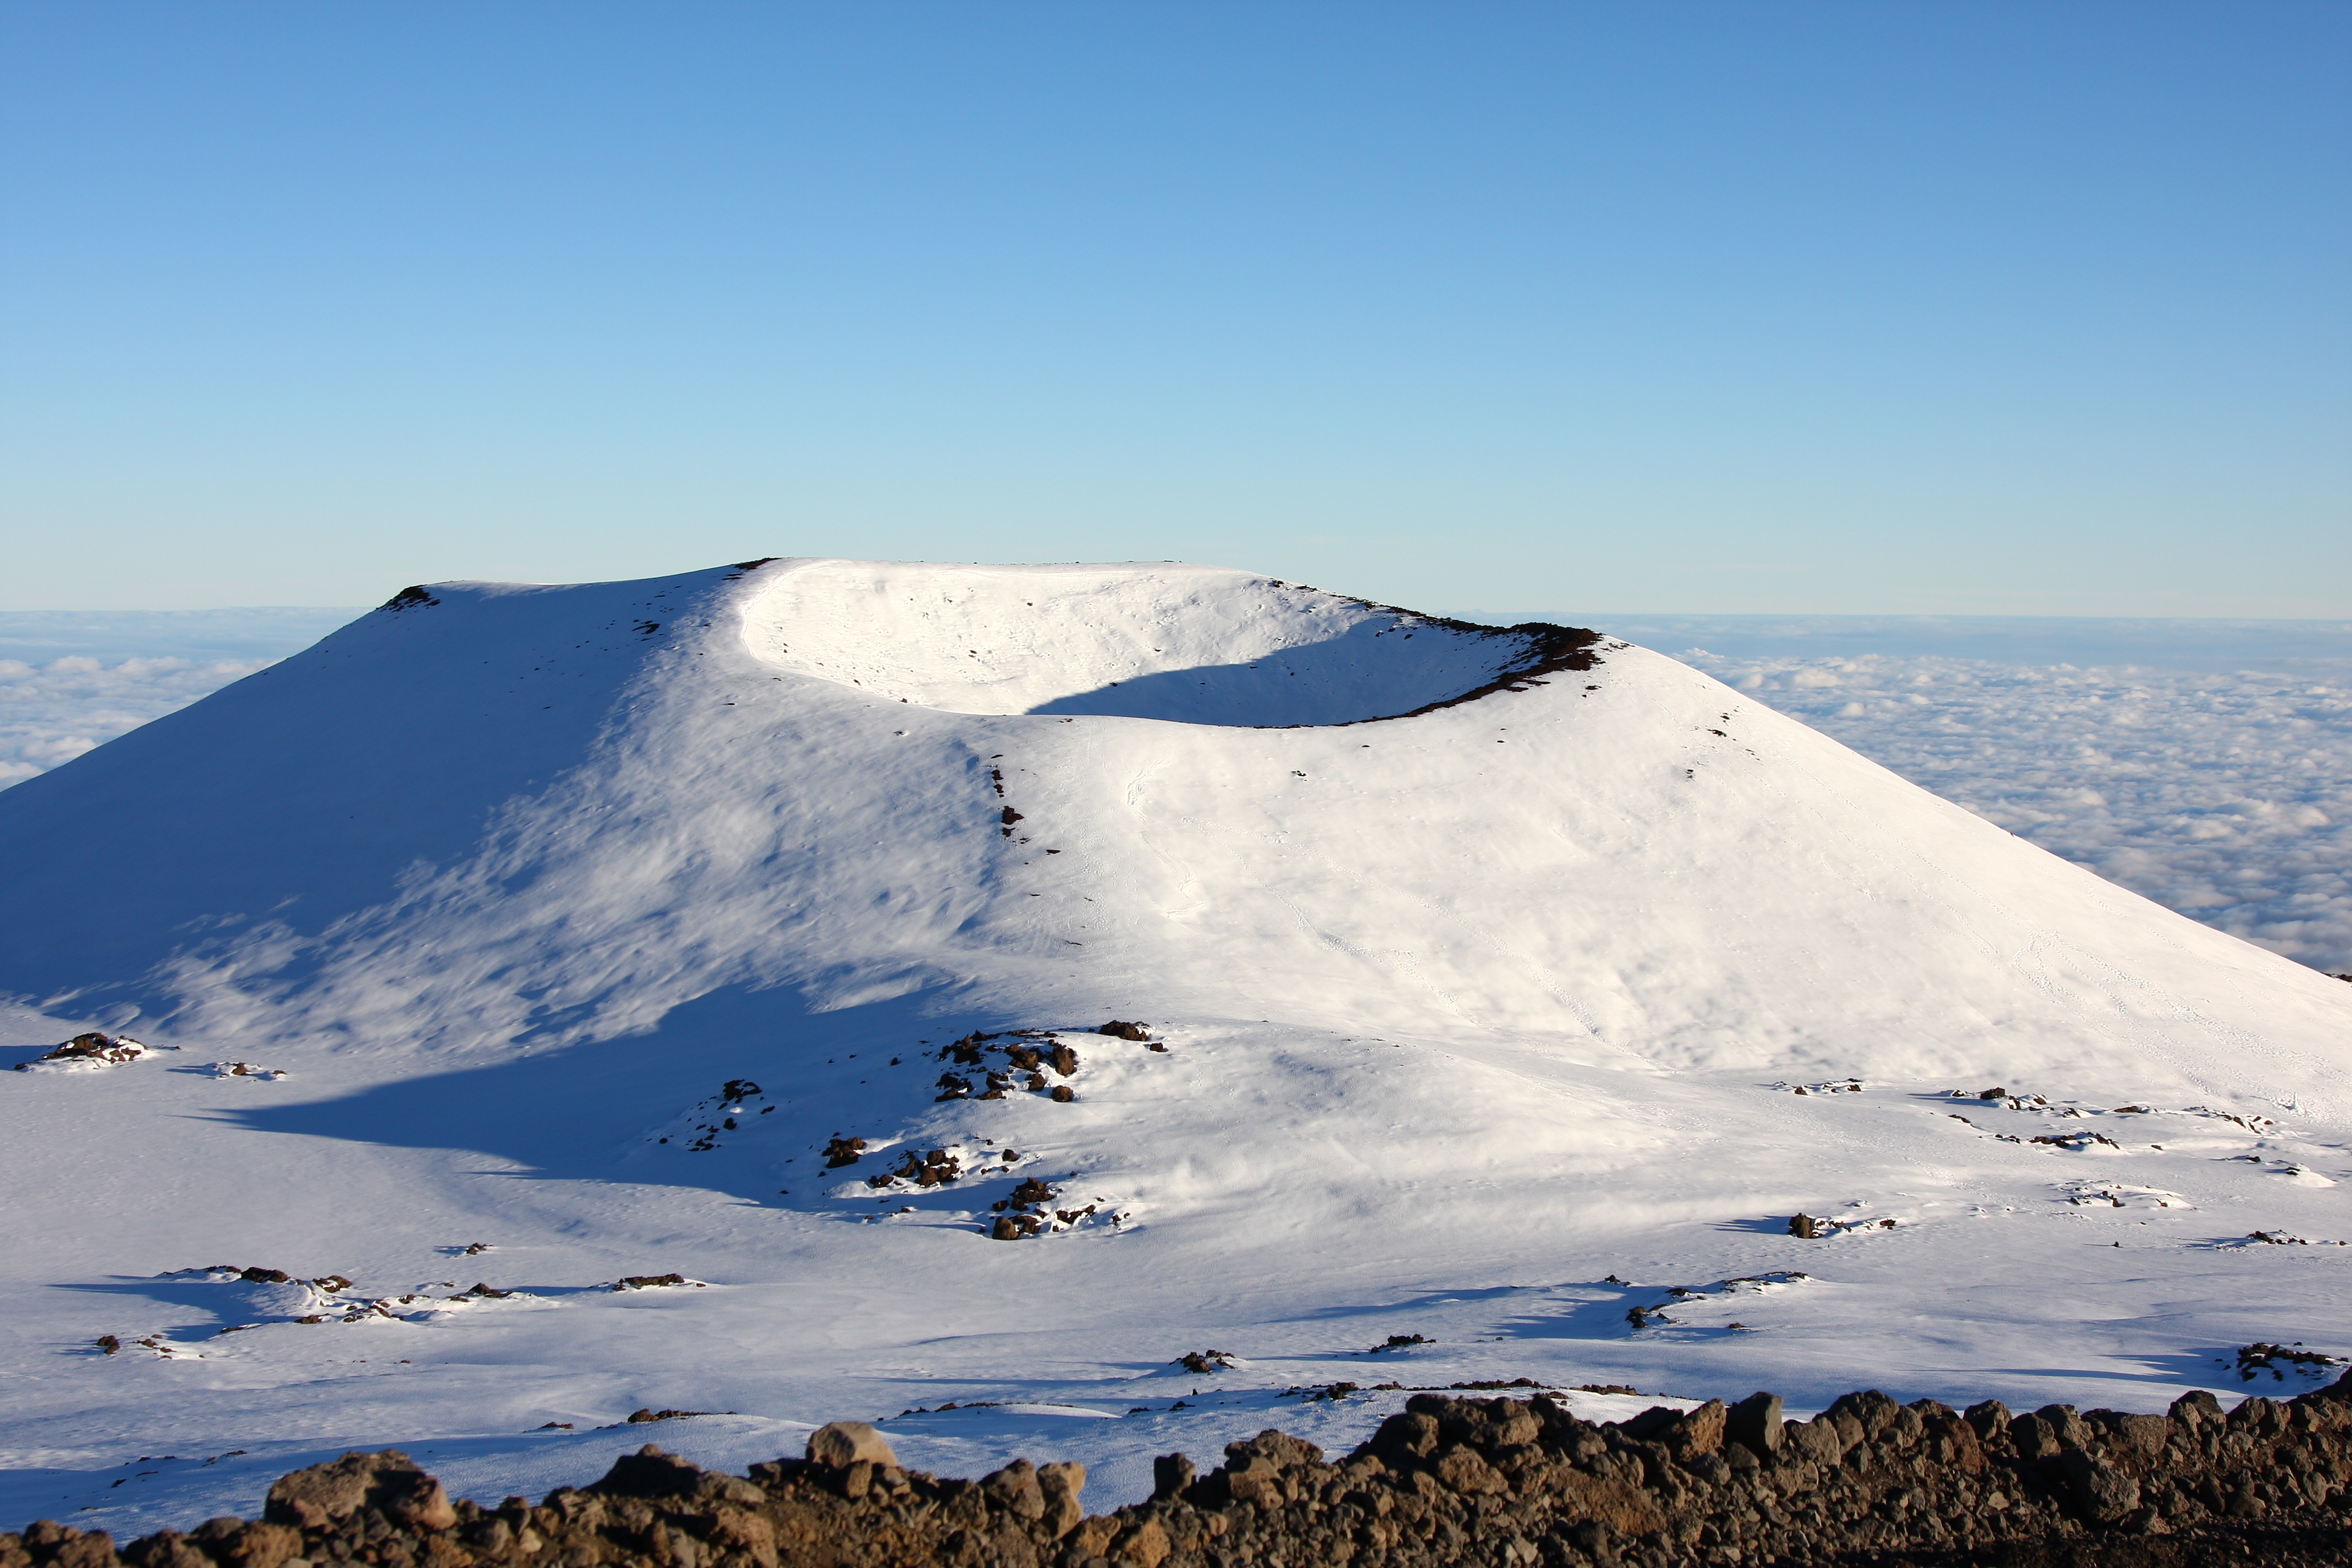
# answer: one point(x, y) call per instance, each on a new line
point(533, 890)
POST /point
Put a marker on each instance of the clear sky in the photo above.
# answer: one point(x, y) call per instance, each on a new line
point(1801, 307)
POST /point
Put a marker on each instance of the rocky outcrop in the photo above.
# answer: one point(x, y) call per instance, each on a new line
point(1510, 1483)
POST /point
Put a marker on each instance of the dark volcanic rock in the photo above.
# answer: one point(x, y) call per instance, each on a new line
point(1501, 1482)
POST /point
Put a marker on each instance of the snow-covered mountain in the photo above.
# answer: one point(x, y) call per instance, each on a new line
point(755, 925)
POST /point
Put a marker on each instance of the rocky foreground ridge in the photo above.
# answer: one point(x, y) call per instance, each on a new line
point(1512, 1483)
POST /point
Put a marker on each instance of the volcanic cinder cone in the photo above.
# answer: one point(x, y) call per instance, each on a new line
point(1466, 959)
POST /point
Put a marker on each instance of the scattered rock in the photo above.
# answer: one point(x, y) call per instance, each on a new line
point(1119, 1031)
point(936, 1168)
point(2278, 1360)
point(90, 1051)
point(653, 1282)
point(843, 1151)
point(1203, 1363)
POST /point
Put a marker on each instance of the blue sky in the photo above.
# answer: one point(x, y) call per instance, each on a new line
point(1800, 308)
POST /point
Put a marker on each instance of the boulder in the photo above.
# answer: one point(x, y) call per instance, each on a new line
point(242, 1546)
point(841, 1443)
point(1016, 1488)
point(1170, 1474)
point(1684, 1432)
point(1143, 1544)
point(1060, 1485)
point(649, 1473)
point(2105, 1494)
point(1755, 1423)
point(330, 1493)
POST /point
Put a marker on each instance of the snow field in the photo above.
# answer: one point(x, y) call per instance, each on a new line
point(2225, 794)
point(1481, 1027)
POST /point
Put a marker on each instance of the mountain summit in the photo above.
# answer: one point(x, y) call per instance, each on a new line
point(1266, 964)
point(491, 813)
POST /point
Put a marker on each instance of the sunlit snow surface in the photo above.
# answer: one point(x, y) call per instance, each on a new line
point(2204, 765)
point(1428, 1137)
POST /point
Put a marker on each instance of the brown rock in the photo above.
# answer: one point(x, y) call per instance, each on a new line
point(1462, 1470)
point(164, 1549)
point(1628, 1510)
point(1145, 1544)
point(330, 1493)
point(1254, 1479)
point(1406, 1437)
point(1170, 1474)
point(742, 1531)
point(1278, 1448)
point(1092, 1538)
point(650, 1473)
point(1060, 1485)
point(1015, 1490)
point(2194, 1410)
point(268, 1545)
point(2103, 1492)
point(1755, 1423)
point(1816, 1440)
point(841, 1443)
point(2145, 1434)
point(1685, 1432)
point(1953, 1442)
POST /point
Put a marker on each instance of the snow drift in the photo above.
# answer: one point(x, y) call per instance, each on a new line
point(653, 926)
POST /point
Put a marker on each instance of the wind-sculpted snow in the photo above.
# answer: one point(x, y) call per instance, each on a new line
point(574, 937)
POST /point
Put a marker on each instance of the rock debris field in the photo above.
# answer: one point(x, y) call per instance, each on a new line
point(1448, 1480)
